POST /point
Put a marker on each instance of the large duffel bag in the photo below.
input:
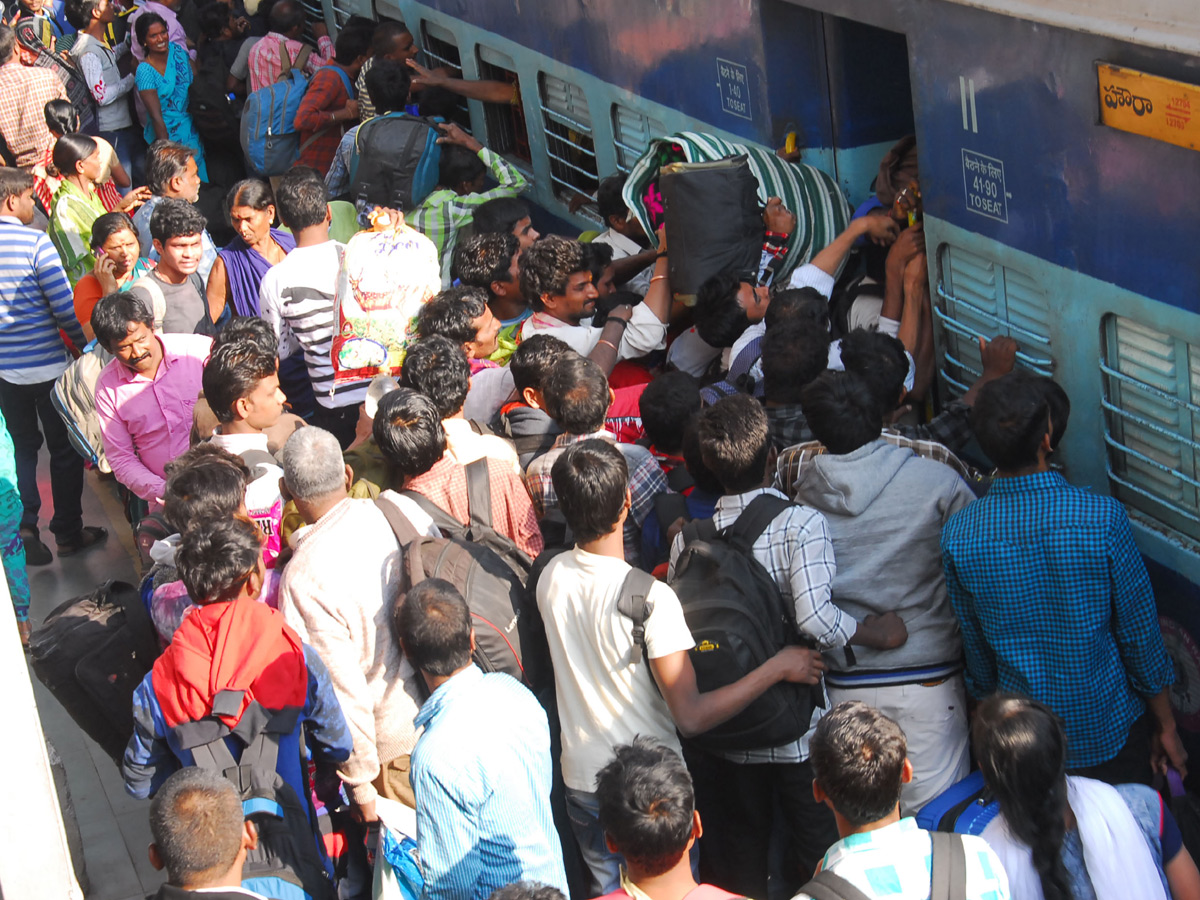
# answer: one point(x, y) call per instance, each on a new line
point(92, 652)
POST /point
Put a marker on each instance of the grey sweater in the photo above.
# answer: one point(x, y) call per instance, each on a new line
point(885, 507)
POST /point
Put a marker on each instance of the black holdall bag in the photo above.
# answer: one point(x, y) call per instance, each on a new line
point(491, 573)
point(714, 222)
point(92, 652)
point(739, 620)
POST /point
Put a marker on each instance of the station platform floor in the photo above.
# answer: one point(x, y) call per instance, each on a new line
point(114, 826)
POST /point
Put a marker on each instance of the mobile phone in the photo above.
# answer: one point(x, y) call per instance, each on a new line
point(101, 252)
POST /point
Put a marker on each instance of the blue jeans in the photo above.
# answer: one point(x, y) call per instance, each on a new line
point(605, 866)
point(131, 151)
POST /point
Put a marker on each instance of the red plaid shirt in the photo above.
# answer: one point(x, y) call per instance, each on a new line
point(512, 513)
point(265, 63)
point(325, 95)
point(24, 93)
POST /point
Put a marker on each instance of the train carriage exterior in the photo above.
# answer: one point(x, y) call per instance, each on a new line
point(1078, 238)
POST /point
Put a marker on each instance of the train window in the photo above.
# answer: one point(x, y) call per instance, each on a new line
point(632, 132)
point(506, 129)
point(441, 51)
point(1151, 407)
point(981, 298)
point(569, 142)
point(314, 12)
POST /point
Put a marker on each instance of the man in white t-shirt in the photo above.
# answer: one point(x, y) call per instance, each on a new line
point(558, 285)
point(297, 299)
point(605, 693)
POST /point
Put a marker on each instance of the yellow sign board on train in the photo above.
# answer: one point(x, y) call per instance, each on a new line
point(1145, 104)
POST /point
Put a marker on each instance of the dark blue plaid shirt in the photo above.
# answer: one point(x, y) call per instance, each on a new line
point(1054, 602)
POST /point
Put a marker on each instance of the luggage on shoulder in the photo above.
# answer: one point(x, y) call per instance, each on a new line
point(268, 136)
point(286, 864)
point(213, 113)
point(91, 653)
point(489, 570)
point(739, 619)
point(395, 162)
point(29, 33)
point(966, 807)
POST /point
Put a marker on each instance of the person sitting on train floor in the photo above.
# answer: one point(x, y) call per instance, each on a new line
point(171, 172)
point(699, 501)
point(524, 420)
point(481, 769)
point(860, 770)
point(201, 837)
point(204, 484)
point(145, 397)
point(506, 215)
point(577, 398)
point(1066, 836)
point(408, 429)
point(1087, 641)
point(297, 299)
point(490, 262)
point(388, 89)
point(558, 285)
point(604, 699)
point(227, 644)
point(797, 551)
point(462, 171)
point(391, 41)
point(729, 312)
point(633, 263)
point(241, 385)
point(885, 508)
point(337, 592)
point(174, 290)
point(881, 361)
point(437, 367)
point(329, 106)
point(793, 354)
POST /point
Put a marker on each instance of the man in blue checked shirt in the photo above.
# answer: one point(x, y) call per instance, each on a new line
point(481, 767)
point(1052, 595)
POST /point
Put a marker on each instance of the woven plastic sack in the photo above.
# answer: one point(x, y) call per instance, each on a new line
point(386, 275)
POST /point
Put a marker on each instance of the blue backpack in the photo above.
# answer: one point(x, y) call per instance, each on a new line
point(270, 141)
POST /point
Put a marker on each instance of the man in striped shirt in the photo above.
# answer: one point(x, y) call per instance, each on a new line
point(35, 302)
point(297, 299)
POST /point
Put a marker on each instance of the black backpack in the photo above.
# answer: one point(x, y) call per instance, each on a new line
point(395, 162)
point(739, 620)
point(91, 653)
point(213, 113)
point(287, 863)
point(489, 570)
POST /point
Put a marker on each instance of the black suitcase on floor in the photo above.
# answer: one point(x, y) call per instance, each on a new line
point(92, 652)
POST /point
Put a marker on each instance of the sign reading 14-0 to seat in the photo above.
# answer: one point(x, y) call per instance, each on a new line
point(983, 180)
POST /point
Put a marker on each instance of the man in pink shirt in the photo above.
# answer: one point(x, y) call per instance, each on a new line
point(144, 397)
point(286, 23)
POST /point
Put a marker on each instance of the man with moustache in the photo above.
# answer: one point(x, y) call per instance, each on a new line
point(144, 397)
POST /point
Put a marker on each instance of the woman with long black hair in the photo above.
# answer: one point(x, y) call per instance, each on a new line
point(1069, 838)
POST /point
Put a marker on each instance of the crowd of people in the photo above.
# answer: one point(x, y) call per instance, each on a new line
point(936, 591)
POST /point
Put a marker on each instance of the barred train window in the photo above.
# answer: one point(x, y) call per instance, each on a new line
point(569, 142)
point(441, 51)
point(1151, 407)
point(977, 297)
point(506, 129)
point(632, 132)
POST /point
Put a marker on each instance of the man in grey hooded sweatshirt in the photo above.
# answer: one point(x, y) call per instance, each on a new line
point(885, 508)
